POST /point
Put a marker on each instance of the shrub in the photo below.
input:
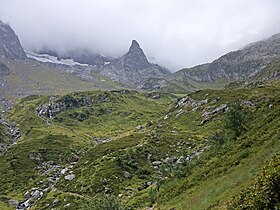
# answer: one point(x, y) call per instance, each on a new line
point(264, 192)
point(236, 119)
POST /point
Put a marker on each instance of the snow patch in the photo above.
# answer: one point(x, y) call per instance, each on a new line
point(51, 59)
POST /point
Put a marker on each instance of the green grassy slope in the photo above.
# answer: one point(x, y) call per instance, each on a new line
point(156, 151)
point(224, 169)
point(114, 119)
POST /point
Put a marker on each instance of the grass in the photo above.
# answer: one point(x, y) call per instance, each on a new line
point(216, 174)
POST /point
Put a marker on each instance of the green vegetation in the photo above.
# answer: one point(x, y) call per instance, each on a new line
point(104, 203)
point(149, 149)
point(3, 137)
point(264, 192)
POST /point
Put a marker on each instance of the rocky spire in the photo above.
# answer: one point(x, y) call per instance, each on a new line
point(135, 58)
point(135, 46)
point(133, 67)
point(10, 47)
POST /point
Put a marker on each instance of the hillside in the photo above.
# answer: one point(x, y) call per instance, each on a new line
point(270, 73)
point(241, 65)
point(79, 130)
point(143, 149)
point(22, 75)
point(131, 68)
point(22, 78)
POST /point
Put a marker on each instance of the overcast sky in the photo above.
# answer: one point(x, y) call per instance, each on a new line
point(174, 33)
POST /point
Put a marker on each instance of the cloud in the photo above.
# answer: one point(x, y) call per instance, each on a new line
point(177, 33)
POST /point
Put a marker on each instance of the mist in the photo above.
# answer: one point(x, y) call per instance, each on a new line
point(173, 33)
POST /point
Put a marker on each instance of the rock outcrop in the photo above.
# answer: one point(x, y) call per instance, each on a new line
point(133, 67)
point(54, 107)
point(4, 70)
point(10, 47)
point(237, 65)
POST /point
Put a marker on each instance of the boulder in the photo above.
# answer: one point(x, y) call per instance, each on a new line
point(156, 163)
point(69, 177)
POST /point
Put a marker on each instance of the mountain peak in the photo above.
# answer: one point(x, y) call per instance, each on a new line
point(135, 47)
point(133, 67)
point(10, 47)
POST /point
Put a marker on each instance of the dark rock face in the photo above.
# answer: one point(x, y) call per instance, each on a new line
point(51, 109)
point(10, 47)
point(237, 65)
point(133, 67)
point(4, 70)
point(134, 59)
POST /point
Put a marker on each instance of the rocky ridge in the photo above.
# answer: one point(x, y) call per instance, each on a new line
point(236, 65)
point(10, 47)
point(133, 67)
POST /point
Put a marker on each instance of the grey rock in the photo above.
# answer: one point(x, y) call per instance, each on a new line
point(139, 127)
point(207, 115)
point(14, 202)
point(67, 205)
point(39, 183)
point(64, 171)
point(70, 177)
point(149, 183)
point(154, 84)
point(156, 163)
point(10, 47)
point(53, 108)
point(37, 194)
point(248, 103)
point(4, 70)
point(237, 65)
point(133, 67)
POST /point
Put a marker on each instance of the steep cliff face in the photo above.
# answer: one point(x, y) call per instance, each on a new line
point(10, 47)
point(133, 67)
